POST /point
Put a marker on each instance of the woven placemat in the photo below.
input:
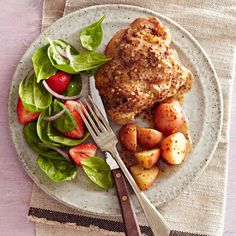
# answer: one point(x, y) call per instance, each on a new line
point(200, 208)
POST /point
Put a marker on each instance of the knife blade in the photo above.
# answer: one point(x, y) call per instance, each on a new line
point(97, 98)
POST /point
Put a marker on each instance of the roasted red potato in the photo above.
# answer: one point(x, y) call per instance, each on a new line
point(174, 148)
point(148, 158)
point(128, 137)
point(149, 138)
point(169, 117)
point(144, 177)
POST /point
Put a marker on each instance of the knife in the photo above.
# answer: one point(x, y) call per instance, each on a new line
point(127, 209)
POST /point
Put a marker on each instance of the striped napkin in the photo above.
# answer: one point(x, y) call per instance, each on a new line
point(200, 208)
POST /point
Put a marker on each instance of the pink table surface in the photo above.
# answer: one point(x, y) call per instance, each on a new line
point(19, 24)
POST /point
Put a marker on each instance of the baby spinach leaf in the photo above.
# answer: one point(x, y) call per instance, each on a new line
point(66, 122)
point(65, 58)
point(33, 95)
point(91, 36)
point(55, 166)
point(74, 87)
point(42, 129)
point(57, 138)
point(57, 170)
point(61, 54)
point(32, 139)
point(43, 67)
point(28, 106)
point(88, 61)
point(98, 171)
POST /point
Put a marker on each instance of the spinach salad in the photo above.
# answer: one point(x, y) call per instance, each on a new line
point(47, 107)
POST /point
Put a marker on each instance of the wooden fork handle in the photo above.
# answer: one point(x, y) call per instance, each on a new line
point(127, 209)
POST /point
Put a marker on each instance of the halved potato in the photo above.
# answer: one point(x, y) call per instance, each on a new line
point(169, 117)
point(149, 137)
point(148, 158)
point(144, 177)
point(128, 136)
point(174, 148)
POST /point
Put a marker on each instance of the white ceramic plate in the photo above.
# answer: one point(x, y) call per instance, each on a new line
point(203, 108)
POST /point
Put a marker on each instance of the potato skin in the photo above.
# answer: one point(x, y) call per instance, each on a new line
point(174, 148)
point(169, 117)
point(128, 137)
point(149, 138)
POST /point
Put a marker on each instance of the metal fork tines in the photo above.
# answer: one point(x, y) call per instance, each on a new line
point(96, 124)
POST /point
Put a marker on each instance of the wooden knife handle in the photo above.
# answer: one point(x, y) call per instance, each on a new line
point(127, 209)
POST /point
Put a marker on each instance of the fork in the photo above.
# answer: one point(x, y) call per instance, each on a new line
point(106, 140)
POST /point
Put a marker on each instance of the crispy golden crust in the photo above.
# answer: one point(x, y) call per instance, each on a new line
point(144, 70)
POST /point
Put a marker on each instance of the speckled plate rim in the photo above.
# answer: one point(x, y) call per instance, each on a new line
point(191, 178)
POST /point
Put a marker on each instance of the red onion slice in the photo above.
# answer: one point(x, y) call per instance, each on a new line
point(61, 52)
point(65, 53)
point(60, 151)
point(59, 96)
point(54, 117)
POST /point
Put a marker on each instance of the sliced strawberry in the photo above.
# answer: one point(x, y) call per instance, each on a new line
point(82, 152)
point(79, 130)
point(73, 105)
point(59, 82)
point(25, 116)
